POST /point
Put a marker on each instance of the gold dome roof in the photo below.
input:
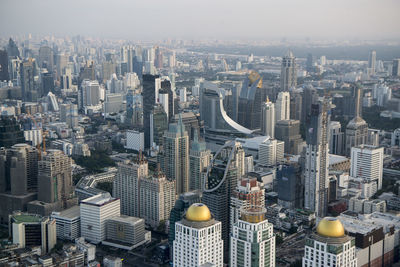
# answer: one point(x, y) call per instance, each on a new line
point(253, 77)
point(198, 212)
point(330, 227)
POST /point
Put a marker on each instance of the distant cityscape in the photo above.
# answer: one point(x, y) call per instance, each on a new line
point(198, 154)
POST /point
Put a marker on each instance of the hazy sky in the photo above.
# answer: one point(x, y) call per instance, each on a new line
point(195, 19)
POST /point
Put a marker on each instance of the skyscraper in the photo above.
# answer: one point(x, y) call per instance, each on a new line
point(310, 63)
point(248, 192)
point(198, 240)
point(28, 90)
point(127, 182)
point(316, 163)
point(336, 138)
point(289, 132)
point(357, 128)
point(149, 96)
point(10, 132)
point(268, 119)
point(252, 239)
point(288, 72)
point(372, 62)
point(282, 106)
point(270, 152)
point(226, 168)
point(199, 158)
point(310, 97)
point(396, 67)
point(46, 58)
point(157, 198)
point(367, 163)
point(175, 162)
point(12, 49)
point(89, 94)
point(330, 246)
point(4, 66)
point(158, 124)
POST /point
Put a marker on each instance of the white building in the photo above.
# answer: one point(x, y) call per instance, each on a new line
point(282, 106)
point(94, 213)
point(252, 240)
point(126, 185)
point(268, 119)
point(68, 223)
point(330, 246)
point(163, 99)
point(134, 140)
point(182, 94)
point(367, 163)
point(35, 136)
point(198, 241)
point(271, 152)
point(90, 94)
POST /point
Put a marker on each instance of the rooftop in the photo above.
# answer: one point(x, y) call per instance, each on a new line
point(99, 200)
point(71, 213)
point(26, 218)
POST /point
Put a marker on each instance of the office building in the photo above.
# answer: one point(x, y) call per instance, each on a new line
point(89, 94)
point(268, 119)
point(357, 128)
point(149, 100)
point(396, 67)
point(28, 87)
point(282, 106)
point(270, 152)
point(336, 138)
point(4, 75)
point(157, 198)
point(94, 213)
point(248, 192)
point(372, 62)
point(68, 223)
point(252, 239)
point(126, 232)
point(134, 140)
point(250, 100)
point(10, 132)
point(183, 202)
point(126, 184)
point(46, 58)
point(290, 186)
point(198, 239)
point(367, 163)
point(226, 168)
point(69, 114)
point(199, 159)
point(288, 131)
point(317, 161)
point(158, 124)
point(175, 162)
point(310, 97)
point(330, 246)
point(310, 63)
point(296, 105)
point(288, 72)
point(30, 230)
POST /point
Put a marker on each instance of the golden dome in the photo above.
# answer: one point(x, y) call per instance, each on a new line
point(330, 227)
point(198, 212)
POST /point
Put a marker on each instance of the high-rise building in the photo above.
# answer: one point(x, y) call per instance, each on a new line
point(30, 230)
point(199, 159)
point(10, 132)
point(310, 97)
point(149, 96)
point(19, 169)
point(330, 246)
point(28, 89)
point(336, 138)
point(282, 106)
point(250, 99)
point(158, 61)
point(289, 132)
point(157, 198)
point(372, 62)
point(166, 88)
point(4, 76)
point(183, 202)
point(367, 163)
point(252, 239)
point(126, 184)
point(396, 67)
point(270, 152)
point(47, 83)
point(46, 58)
point(248, 192)
point(226, 168)
point(310, 63)
point(158, 124)
point(198, 240)
point(55, 177)
point(317, 161)
point(175, 162)
point(288, 72)
point(357, 128)
point(89, 94)
point(69, 114)
point(94, 213)
point(296, 105)
point(268, 119)
point(290, 186)
point(12, 49)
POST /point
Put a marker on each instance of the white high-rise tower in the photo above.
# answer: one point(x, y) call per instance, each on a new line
point(282, 111)
point(268, 118)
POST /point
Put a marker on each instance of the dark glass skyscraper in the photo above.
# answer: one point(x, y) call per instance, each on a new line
point(10, 132)
point(4, 66)
point(29, 92)
point(148, 93)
